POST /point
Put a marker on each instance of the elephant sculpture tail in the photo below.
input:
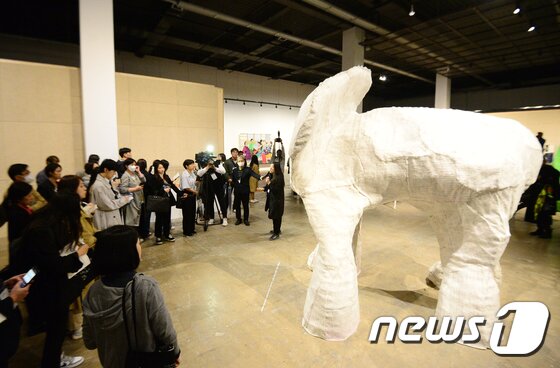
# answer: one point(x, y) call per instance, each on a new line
point(325, 108)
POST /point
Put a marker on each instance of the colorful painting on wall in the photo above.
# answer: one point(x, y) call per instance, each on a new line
point(256, 144)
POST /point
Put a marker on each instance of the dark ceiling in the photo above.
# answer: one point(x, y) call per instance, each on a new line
point(480, 44)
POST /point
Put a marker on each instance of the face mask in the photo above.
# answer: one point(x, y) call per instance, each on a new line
point(28, 178)
point(241, 163)
point(132, 168)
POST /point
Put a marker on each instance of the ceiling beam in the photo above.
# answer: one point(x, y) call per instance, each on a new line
point(369, 26)
point(311, 44)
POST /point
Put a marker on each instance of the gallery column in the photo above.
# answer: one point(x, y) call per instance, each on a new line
point(97, 70)
point(443, 92)
point(352, 49)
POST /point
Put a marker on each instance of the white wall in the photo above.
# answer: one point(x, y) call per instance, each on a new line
point(241, 119)
point(251, 118)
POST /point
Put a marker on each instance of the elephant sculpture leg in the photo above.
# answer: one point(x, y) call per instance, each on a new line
point(331, 308)
point(473, 237)
point(356, 249)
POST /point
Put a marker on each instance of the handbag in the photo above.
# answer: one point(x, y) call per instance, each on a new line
point(155, 203)
point(161, 358)
point(75, 285)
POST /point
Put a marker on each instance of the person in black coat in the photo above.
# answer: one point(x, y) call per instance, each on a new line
point(241, 176)
point(162, 186)
point(48, 188)
point(18, 202)
point(9, 328)
point(275, 198)
point(144, 228)
point(54, 228)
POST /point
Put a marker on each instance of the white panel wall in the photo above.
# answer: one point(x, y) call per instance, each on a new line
point(251, 118)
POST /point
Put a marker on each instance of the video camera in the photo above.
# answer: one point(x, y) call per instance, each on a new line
point(203, 158)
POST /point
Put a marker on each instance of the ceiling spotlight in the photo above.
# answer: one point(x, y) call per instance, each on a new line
point(531, 29)
point(226, 101)
point(517, 10)
point(382, 77)
point(243, 102)
point(275, 106)
point(260, 104)
point(412, 12)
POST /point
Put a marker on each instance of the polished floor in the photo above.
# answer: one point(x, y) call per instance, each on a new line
point(216, 286)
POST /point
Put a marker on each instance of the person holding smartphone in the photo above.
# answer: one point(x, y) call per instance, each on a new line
point(11, 293)
point(51, 230)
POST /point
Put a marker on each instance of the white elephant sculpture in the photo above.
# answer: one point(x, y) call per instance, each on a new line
point(467, 171)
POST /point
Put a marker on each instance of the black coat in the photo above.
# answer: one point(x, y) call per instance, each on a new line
point(241, 179)
point(47, 190)
point(158, 188)
point(18, 218)
point(48, 293)
point(275, 197)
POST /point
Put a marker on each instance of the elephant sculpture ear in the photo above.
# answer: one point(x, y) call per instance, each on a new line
point(330, 104)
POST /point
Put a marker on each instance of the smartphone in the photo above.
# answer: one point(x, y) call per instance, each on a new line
point(28, 277)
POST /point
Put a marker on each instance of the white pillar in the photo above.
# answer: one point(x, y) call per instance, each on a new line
point(97, 69)
point(352, 50)
point(443, 92)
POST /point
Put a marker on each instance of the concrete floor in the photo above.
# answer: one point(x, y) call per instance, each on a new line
point(215, 285)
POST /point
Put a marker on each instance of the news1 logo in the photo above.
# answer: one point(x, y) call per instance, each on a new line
point(526, 337)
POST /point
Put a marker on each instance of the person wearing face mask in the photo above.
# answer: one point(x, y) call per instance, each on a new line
point(103, 193)
point(132, 183)
point(21, 173)
point(241, 176)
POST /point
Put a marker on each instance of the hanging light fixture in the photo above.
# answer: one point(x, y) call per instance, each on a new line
point(382, 77)
point(516, 10)
point(412, 12)
point(531, 29)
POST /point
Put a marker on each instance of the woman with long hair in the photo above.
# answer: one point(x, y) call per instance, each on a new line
point(73, 184)
point(275, 199)
point(54, 230)
point(240, 176)
point(253, 183)
point(162, 186)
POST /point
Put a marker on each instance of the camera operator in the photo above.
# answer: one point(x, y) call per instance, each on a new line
point(212, 181)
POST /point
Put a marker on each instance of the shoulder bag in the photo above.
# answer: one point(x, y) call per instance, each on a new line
point(161, 358)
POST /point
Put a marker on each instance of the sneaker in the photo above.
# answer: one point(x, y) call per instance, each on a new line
point(169, 238)
point(77, 334)
point(224, 222)
point(274, 236)
point(211, 222)
point(159, 241)
point(254, 201)
point(67, 361)
point(238, 221)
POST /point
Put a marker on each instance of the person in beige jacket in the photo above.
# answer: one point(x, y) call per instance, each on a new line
point(103, 193)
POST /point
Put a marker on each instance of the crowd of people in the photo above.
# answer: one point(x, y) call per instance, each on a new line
point(80, 235)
